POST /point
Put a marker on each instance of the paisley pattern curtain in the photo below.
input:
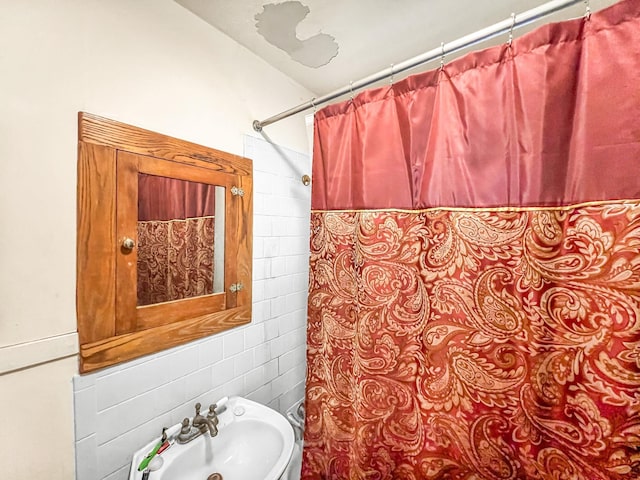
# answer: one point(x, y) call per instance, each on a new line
point(175, 259)
point(474, 303)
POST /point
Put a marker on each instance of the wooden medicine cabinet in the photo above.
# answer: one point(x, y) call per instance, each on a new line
point(163, 241)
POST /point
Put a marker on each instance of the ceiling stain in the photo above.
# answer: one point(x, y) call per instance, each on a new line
point(277, 24)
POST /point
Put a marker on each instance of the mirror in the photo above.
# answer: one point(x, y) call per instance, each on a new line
point(163, 244)
point(180, 232)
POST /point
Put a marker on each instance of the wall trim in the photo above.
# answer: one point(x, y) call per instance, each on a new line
point(44, 350)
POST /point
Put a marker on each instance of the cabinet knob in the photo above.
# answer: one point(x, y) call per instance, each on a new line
point(128, 244)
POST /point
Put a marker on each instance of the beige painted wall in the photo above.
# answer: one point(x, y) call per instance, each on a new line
point(37, 422)
point(150, 63)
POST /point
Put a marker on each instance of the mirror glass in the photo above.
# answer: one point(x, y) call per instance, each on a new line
point(180, 239)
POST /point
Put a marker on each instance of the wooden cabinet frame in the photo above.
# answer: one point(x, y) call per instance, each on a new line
point(111, 328)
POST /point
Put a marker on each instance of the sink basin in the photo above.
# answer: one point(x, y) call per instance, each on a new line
point(254, 442)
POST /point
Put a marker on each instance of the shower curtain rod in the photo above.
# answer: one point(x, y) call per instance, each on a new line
point(509, 25)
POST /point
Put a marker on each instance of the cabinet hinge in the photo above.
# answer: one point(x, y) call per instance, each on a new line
point(237, 191)
point(235, 287)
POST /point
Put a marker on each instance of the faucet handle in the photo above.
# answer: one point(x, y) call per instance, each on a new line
point(186, 427)
point(198, 406)
point(185, 431)
point(211, 415)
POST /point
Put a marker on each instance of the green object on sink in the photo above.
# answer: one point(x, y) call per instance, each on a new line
point(144, 463)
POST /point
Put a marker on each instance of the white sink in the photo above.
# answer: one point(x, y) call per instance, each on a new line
point(254, 442)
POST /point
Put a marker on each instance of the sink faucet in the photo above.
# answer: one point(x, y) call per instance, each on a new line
point(199, 425)
point(203, 423)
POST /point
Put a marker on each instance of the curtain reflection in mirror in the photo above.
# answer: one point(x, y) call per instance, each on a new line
point(176, 222)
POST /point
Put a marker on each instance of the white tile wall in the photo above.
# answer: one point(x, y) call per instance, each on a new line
point(119, 409)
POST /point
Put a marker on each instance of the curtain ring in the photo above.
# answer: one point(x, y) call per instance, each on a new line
point(391, 76)
point(313, 104)
point(513, 24)
point(442, 56)
point(587, 13)
point(351, 90)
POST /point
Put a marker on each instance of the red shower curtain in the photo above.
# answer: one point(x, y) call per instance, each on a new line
point(474, 304)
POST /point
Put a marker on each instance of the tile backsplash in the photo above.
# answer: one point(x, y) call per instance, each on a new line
point(121, 408)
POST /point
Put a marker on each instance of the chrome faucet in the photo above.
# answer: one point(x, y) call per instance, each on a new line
point(199, 425)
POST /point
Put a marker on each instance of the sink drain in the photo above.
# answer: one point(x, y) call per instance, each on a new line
point(214, 476)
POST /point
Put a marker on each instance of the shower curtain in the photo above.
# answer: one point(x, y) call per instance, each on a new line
point(474, 302)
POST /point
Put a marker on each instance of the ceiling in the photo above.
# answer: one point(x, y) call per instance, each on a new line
point(326, 44)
